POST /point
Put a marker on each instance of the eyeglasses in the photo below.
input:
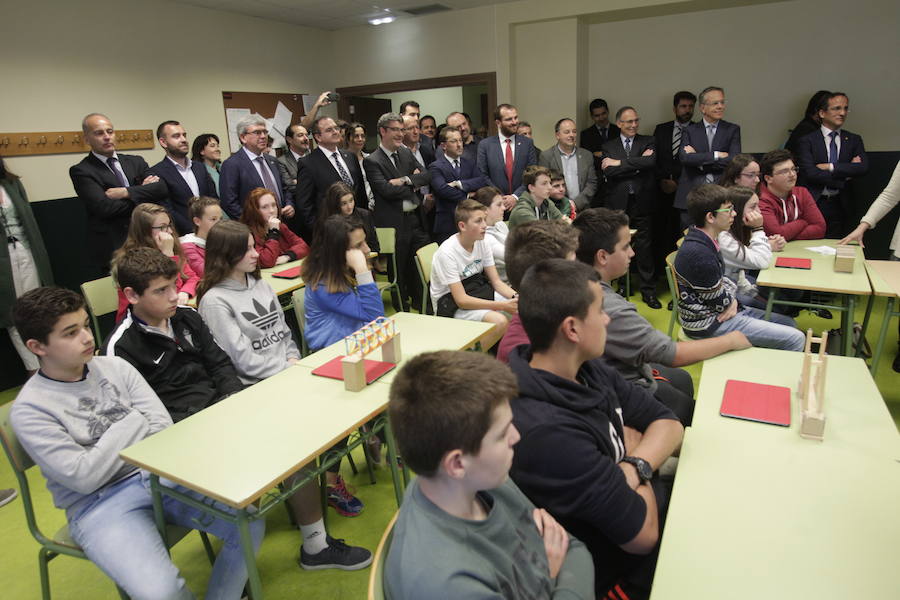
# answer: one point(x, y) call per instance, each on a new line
point(716, 103)
point(632, 122)
point(795, 170)
point(165, 227)
point(393, 128)
point(754, 175)
point(258, 132)
point(724, 210)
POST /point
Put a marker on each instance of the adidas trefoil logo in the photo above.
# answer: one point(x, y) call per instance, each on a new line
point(263, 318)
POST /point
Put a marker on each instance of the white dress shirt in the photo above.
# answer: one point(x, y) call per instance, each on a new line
point(187, 174)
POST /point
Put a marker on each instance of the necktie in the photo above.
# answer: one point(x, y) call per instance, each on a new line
point(627, 146)
point(396, 160)
point(267, 179)
point(832, 148)
point(710, 134)
point(120, 177)
point(345, 176)
point(676, 140)
point(509, 165)
point(603, 132)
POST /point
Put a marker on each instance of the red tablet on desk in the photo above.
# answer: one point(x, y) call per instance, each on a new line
point(374, 369)
point(757, 402)
point(293, 273)
point(793, 263)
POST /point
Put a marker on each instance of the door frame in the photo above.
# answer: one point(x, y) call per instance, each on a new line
point(489, 80)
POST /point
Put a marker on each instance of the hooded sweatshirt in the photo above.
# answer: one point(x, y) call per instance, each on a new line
point(194, 249)
point(526, 210)
point(796, 217)
point(248, 324)
point(572, 441)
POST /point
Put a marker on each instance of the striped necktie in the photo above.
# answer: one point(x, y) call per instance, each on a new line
point(676, 140)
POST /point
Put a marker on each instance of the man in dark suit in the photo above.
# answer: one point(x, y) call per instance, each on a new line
point(251, 167)
point(502, 158)
point(394, 175)
point(297, 139)
point(470, 141)
point(424, 153)
point(184, 179)
point(575, 164)
point(828, 159)
point(706, 148)
point(453, 178)
point(593, 138)
point(628, 162)
point(110, 185)
point(666, 223)
point(325, 165)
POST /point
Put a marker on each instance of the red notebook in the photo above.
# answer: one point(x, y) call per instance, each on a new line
point(374, 369)
point(293, 273)
point(793, 263)
point(757, 402)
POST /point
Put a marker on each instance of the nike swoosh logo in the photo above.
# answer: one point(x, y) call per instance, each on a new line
point(156, 362)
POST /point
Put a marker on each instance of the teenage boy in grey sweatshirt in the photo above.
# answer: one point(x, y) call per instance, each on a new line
point(73, 417)
point(465, 530)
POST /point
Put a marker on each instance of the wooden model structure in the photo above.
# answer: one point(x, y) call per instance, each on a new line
point(812, 388)
point(380, 333)
point(844, 259)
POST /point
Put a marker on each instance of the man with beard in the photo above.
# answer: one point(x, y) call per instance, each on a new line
point(503, 158)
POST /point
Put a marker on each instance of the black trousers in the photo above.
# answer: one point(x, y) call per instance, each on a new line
point(675, 389)
point(411, 236)
point(640, 219)
point(832, 209)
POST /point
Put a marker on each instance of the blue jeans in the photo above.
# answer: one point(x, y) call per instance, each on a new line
point(116, 529)
point(780, 332)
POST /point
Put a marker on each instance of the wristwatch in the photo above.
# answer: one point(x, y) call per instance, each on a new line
point(644, 470)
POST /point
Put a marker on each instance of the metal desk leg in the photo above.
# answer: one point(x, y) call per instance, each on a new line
point(770, 303)
point(865, 325)
point(392, 460)
point(158, 515)
point(882, 336)
point(850, 303)
point(249, 558)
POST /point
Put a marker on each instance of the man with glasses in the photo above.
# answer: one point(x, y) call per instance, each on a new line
point(707, 306)
point(251, 167)
point(829, 158)
point(394, 175)
point(628, 165)
point(184, 178)
point(706, 148)
point(787, 209)
point(325, 165)
point(110, 185)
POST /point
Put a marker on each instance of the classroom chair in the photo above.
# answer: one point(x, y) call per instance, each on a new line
point(424, 258)
point(61, 542)
point(673, 290)
point(102, 298)
point(376, 575)
point(387, 243)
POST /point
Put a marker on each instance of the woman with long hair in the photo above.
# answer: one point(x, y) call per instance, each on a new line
point(275, 243)
point(151, 227)
point(204, 212)
point(339, 200)
point(742, 170)
point(355, 136)
point(206, 149)
point(240, 308)
point(25, 265)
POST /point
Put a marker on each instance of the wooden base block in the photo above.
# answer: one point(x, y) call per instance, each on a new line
point(354, 371)
point(390, 351)
point(844, 259)
point(812, 427)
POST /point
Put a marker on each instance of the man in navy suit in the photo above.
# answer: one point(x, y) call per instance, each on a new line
point(453, 178)
point(251, 167)
point(502, 158)
point(828, 159)
point(184, 179)
point(470, 141)
point(110, 185)
point(628, 163)
point(324, 166)
point(706, 148)
point(668, 171)
point(593, 138)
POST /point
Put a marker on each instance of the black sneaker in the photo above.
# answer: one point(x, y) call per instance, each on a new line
point(337, 555)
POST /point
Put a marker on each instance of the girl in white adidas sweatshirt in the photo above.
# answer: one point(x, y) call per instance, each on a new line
point(240, 308)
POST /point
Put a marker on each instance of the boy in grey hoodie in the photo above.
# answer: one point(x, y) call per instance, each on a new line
point(73, 417)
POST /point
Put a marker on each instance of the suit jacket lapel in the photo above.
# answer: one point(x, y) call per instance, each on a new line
point(383, 156)
point(109, 178)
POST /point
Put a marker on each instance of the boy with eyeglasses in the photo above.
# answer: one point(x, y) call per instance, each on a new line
point(787, 209)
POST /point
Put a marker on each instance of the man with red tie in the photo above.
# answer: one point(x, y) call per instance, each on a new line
point(502, 158)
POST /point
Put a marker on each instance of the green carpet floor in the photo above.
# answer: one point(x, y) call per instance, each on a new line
point(79, 580)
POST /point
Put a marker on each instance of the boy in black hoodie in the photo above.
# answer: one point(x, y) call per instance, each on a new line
point(591, 441)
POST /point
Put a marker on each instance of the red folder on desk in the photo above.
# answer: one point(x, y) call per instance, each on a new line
point(793, 263)
point(292, 273)
point(374, 369)
point(757, 402)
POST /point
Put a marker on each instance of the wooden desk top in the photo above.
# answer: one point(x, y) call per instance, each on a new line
point(821, 277)
point(418, 333)
point(757, 511)
point(283, 286)
point(884, 275)
point(240, 448)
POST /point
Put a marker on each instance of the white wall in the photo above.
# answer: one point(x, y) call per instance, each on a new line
point(770, 58)
point(139, 62)
point(438, 102)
